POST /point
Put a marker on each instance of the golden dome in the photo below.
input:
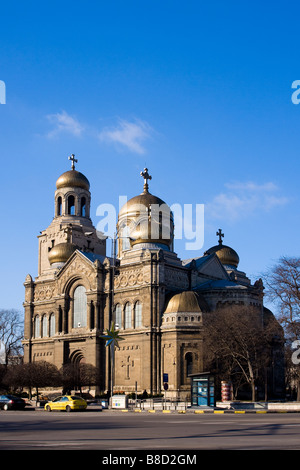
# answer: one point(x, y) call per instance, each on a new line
point(184, 302)
point(137, 203)
point(148, 217)
point(61, 252)
point(73, 179)
point(226, 254)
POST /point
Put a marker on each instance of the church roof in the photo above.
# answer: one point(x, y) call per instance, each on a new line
point(197, 262)
point(221, 284)
point(93, 257)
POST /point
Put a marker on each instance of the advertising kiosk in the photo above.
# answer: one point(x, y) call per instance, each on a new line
point(202, 389)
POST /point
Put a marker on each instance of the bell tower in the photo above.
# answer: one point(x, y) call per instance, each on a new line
point(71, 227)
point(72, 195)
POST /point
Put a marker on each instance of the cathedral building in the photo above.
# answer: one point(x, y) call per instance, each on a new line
point(156, 299)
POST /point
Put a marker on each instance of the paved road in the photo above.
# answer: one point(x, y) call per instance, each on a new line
point(110, 430)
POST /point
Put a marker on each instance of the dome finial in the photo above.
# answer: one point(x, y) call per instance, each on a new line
point(146, 177)
point(220, 235)
point(73, 160)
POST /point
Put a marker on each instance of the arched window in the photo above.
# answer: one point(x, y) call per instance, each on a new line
point(52, 325)
point(127, 316)
point(59, 206)
point(119, 316)
point(138, 314)
point(83, 207)
point(37, 329)
point(71, 205)
point(189, 364)
point(80, 307)
point(44, 326)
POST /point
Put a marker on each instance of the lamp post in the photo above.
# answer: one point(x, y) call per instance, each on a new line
point(112, 337)
point(112, 340)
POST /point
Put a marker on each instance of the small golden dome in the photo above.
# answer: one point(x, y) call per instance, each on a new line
point(184, 302)
point(225, 254)
point(73, 179)
point(61, 252)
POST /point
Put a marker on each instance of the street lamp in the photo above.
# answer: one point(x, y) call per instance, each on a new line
point(112, 337)
point(112, 340)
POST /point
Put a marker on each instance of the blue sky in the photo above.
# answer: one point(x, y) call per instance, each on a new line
point(199, 92)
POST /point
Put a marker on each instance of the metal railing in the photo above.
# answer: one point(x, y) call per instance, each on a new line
point(158, 404)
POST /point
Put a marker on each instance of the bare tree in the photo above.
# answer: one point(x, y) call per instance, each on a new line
point(11, 333)
point(75, 376)
point(238, 341)
point(33, 375)
point(282, 283)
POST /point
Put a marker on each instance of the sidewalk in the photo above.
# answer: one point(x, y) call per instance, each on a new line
point(220, 408)
point(183, 408)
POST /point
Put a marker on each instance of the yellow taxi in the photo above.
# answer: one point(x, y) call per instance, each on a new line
point(66, 403)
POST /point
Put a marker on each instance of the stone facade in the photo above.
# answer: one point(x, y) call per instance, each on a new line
point(156, 299)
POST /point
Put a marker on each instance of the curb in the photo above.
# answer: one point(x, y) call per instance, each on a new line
point(208, 411)
point(186, 411)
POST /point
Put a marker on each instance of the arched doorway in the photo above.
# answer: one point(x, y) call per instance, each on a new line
point(77, 357)
point(72, 372)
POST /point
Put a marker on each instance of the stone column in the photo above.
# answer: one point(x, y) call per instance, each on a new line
point(65, 320)
point(96, 314)
point(70, 314)
point(57, 319)
point(28, 306)
point(28, 321)
point(89, 314)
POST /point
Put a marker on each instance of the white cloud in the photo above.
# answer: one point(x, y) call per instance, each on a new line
point(63, 122)
point(243, 199)
point(126, 134)
point(250, 186)
point(130, 135)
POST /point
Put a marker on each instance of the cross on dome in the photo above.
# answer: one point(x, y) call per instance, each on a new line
point(146, 177)
point(73, 160)
point(220, 235)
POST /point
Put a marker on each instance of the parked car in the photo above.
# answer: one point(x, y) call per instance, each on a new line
point(10, 402)
point(66, 403)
